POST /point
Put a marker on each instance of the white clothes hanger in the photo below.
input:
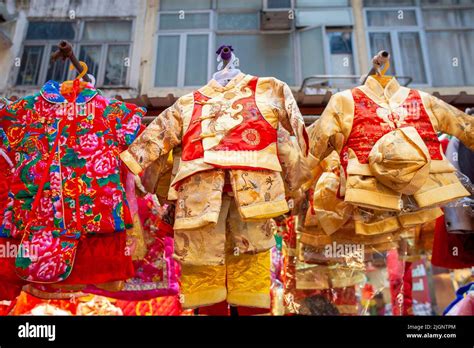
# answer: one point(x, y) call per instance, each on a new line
point(227, 68)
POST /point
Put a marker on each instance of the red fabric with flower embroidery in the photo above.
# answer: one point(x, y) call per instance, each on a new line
point(89, 167)
point(368, 127)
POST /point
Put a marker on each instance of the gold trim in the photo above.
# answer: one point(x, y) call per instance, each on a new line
point(265, 85)
point(189, 168)
point(441, 195)
point(420, 217)
point(309, 285)
point(441, 166)
point(354, 167)
point(315, 240)
point(265, 210)
point(214, 89)
point(248, 299)
point(380, 227)
point(131, 162)
point(263, 159)
point(373, 199)
point(112, 286)
point(196, 221)
point(393, 92)
point(204, 298)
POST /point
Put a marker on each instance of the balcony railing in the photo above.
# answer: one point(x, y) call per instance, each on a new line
point(321, 84)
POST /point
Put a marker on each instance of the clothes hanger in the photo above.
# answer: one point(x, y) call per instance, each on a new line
point(382, 59)
point(227, 68)
point(65, 52)
point(76, 85)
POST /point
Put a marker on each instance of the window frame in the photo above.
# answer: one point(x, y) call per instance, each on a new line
point(441, 29)
point(393, 32)
point(213, 31)
point(105, 49)
point(77, 43)
point(266, 8)
point(183, 33)
point(326, 49)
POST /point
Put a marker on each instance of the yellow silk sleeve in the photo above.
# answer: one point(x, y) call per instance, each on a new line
point(157, 140)
point(333, 128)
point(450, 120)
point(294, 121)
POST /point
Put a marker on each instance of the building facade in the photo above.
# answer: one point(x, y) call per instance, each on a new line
point(152, 51)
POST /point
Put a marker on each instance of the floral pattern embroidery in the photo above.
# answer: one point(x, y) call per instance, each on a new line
point(86, 167)
point(83, 192)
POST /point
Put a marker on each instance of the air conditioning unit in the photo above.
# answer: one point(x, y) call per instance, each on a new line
point(277, 20)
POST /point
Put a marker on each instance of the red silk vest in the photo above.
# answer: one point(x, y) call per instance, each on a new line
point(254, 133)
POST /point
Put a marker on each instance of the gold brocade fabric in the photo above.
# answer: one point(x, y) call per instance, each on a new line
point(136, 246)
point(297, 172)
point(209, 245)
point(258, 194)
point(243, 281)
point(228, 261)
point(199, 200)
point(329, 209)
point(323, 277)
point(399, 167)
point(221, 113)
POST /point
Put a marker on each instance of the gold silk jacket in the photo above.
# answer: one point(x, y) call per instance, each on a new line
point(234, 128)
point(390, 159)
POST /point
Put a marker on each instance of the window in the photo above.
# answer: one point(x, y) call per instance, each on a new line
point(178, 5)
point(187, 42)
point(398, 29)
point(189, 33)
point(449, 26)
point(442, 30)
point(264, 55)
point(312, 52)
point(341, 53)
point(182, 57)
point(327, 51)
point(40, 42)
point(103, 45)
point(278, 4)
point(321, 3)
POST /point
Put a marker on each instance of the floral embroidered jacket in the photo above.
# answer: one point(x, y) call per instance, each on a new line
point(83, 190)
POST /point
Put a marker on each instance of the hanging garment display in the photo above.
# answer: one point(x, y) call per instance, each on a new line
point(392, 171)
point(229, 140)
point(66, 190)
point(156, 272)
point(10, 285)
point(232, 127)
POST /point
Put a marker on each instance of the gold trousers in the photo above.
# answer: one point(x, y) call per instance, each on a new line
point(229, 261)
